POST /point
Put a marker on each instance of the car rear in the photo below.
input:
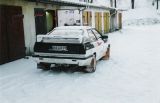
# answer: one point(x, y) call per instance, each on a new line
point(61, 47)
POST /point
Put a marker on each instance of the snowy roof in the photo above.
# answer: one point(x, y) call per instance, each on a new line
point(73, 27)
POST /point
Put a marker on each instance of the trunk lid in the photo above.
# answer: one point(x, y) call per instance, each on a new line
point(65, 48)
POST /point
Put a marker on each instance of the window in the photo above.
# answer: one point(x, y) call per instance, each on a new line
point(91, 35)
point(96, 33)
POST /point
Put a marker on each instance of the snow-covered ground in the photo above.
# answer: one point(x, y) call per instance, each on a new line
point(143, 14)
point(131, 75)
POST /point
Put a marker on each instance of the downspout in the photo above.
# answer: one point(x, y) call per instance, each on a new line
point(81, 12)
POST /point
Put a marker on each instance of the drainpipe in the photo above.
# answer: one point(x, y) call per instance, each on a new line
point(81, 11)
point(157, 5)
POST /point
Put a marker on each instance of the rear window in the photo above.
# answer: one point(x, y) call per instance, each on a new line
point(66, 32)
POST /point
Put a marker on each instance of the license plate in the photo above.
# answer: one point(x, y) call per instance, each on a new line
point(58, 48)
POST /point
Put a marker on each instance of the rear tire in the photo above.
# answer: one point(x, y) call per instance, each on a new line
point(43, 66)
point(92, 67)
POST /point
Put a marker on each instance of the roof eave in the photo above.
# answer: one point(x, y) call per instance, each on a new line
point(74, 4)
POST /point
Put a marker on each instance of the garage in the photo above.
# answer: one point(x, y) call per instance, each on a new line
point(12, 46)
point(45, 20)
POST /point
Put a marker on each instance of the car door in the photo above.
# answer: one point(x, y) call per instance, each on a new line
point(97, 42)
point(100, 43)
point(94, 41)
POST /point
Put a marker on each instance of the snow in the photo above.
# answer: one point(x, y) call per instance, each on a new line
point(130, 76)
point(95, 2)
point(143, 14)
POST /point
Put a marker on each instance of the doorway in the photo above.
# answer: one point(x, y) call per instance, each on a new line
point(12, 44)
point(45, 20)
point(50, 20)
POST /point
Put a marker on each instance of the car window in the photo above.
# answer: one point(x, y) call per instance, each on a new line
point(66, 32)
point(91, 35)
point(96, 33)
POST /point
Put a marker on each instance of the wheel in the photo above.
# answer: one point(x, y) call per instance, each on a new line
point(43, 66)
point(107, 55)
point(92, 67)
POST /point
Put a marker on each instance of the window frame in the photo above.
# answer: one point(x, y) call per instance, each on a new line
point(100, 36)
point(92, 36)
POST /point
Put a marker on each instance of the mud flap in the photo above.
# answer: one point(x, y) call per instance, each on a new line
point(92, 67)
point(107, 55)
point(43, 66)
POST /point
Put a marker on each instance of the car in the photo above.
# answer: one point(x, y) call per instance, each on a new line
point(80, 46)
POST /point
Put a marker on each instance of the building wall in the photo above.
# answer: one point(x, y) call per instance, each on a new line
point(69, 15)
point(29, 20)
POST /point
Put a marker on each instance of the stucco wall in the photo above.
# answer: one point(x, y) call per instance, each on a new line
point(93, 10)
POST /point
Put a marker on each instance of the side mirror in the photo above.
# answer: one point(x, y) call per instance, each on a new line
point(105, 38)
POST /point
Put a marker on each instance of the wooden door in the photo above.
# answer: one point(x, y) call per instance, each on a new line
point(12, 33)
point(40, 21)
point(15, 31)
point(89, 17)
point(112, 22)
point(85, 20)
point(106, 22)
point(3, 36)
point(98, 21)
point(120, 20)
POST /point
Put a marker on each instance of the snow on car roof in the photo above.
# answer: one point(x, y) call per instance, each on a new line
point(73, 27)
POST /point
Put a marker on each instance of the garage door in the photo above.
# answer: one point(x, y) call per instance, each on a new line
point(106, 22)
point(120, 20)
point(12, 34)
point(98, 21)
point(87, 18)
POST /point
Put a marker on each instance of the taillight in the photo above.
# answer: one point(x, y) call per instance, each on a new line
point(88, 46)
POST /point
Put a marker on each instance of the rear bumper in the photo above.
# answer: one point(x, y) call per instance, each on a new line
point(63, 60)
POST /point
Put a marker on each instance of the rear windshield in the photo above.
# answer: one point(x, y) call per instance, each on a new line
point(66, 32)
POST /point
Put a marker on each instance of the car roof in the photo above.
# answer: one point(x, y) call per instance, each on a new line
point(73, 27)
